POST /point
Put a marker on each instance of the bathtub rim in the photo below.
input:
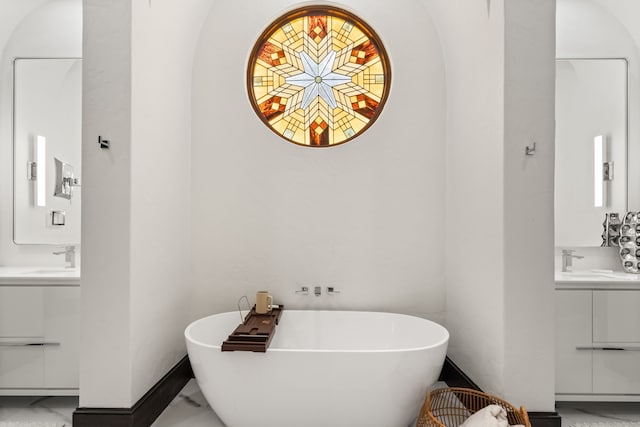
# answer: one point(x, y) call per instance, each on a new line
point(431, 346)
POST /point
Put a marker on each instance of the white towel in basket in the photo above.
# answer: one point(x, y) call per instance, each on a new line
point(489, 416)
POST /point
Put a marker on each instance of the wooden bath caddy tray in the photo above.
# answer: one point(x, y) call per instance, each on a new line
point(255, 333)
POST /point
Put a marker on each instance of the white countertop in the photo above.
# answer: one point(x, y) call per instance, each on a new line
point(596, 279)
point(39, 275)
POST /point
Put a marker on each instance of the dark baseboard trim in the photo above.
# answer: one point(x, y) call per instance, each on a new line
point(455, 377)
point(545, 419)
point(146, 410)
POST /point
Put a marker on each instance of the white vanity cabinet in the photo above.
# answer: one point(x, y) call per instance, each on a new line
point(39, 337)
point(573, 331)
point(598, 342)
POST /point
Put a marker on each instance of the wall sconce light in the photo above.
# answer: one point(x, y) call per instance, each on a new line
point(598, 182)
point(41, 171)
point(602, 171)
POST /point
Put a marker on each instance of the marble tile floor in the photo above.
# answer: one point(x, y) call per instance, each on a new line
point(55, 410)
point(598, 412)
point(190, 409)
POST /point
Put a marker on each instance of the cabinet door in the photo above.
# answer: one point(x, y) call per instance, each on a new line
point(616, 335)
point(62, 326)
point(616, 316)
point(573, 320)
point(21, 309)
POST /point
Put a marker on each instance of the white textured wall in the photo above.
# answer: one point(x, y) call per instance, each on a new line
point(499, 262)
point(472, 36)
point(365, 217)
point(163, 42)
point(529, 100)
point(105, 349)
point(29, 28)
point(135, 286)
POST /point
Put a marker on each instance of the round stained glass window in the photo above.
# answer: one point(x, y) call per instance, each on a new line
point(318, 76)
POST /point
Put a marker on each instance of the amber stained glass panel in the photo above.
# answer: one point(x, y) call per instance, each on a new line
point(318, 76)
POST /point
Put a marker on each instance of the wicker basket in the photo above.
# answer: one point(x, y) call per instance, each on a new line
point(450, 407)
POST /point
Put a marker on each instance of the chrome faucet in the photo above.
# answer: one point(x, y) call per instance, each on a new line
point(69, 256)
point(332, 291)
point(567, 259)
point(303, 290)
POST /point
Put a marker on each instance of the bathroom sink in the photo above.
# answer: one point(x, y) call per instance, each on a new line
point(49, 271)
point(596, 276)
point(583, 276)
point(38, 275)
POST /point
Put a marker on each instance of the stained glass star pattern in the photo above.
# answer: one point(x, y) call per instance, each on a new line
point(317, 79)
point(318, 76)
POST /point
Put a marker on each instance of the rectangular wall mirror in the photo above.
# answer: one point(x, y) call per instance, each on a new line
point(591, 147)
point(47, 120)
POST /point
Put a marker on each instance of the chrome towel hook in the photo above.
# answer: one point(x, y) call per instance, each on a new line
point(530, 150)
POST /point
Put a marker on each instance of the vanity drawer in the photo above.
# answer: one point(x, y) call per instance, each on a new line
point(616, 371)
point(21, 364)
point(21, 311)
point(616, 318)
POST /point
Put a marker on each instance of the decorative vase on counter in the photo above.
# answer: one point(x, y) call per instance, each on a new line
point(626, 235)
point(611, 234)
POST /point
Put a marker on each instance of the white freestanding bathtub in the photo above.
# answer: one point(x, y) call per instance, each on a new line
point(322, 369)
